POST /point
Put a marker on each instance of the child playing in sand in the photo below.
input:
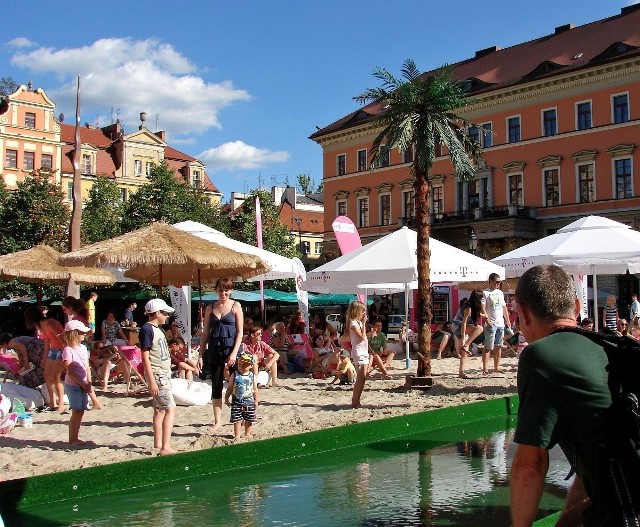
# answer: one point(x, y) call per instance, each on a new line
point(186, 367)
point(356, 317)
point(157, 371)
point(77, 381)
point(244, 387)
point(346, 371)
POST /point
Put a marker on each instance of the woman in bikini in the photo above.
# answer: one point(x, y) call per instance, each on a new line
point(221, 340)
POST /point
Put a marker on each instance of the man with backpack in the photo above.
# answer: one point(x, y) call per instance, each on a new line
point(564, 400)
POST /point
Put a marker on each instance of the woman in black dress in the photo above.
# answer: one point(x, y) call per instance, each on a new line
point(221, 339)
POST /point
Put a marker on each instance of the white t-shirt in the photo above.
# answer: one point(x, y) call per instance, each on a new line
point(494, 304)
point(359, 347)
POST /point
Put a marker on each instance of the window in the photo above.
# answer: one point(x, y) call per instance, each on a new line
point(123, 194)
point(515, 190)
point(623, 178)
point(549, 123)
point(137, 167)
point(513, 129)
point(552, 187)
point(363, 212)
point(620, 108)
point(305, 247)
point(86, 164)
point(148, 168)
point(29, 120)
point(385, 209)
point(407, 155)
point(318, 248)
point(384, 156)
point(583, 114)
point(197, 180)
point(486, 140)
point(11, 159)
point(586, 183)
point(362, 160)
point(28, 160)
point(341, 208)
point(473, 134)
point(474, 194)
point(408, 205)
point(342, 165)
point(70, 191)
point(437, 205)
point(46, 161)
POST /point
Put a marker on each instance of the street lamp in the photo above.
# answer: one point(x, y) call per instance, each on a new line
point(298, 221)
point(473, 242)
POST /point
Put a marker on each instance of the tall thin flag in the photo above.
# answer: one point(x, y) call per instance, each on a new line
point(259, 239)
point(76, 216)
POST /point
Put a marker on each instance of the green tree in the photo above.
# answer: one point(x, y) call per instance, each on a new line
point(420, 112)
point(197, 206)
point(103, 212)
point(8, 85)
point(276, 237)
point(305, 184)
point(35, 213)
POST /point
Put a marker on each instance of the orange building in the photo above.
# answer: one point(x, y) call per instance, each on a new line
point(559, 121)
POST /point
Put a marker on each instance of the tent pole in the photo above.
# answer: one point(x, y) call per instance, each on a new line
point(160, 283)
point(595, 299)
point(407, 344)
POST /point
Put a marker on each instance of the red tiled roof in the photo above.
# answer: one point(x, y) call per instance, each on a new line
point(566, 50)
point(91, 136)
point(311, 221)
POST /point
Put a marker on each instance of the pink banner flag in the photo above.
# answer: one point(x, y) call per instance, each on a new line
point(259, 240)
point(348, 239)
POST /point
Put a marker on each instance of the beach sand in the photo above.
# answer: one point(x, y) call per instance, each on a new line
point(121, 430)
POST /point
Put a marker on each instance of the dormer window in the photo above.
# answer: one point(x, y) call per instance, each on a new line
point(30, 120)
point(197, 178)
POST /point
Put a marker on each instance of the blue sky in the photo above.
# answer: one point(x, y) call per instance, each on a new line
point(242, 84)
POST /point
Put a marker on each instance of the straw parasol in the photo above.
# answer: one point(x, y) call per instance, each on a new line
point(41, 264)
point(160, 254)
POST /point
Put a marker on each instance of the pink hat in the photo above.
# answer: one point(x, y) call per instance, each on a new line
point(76, 325)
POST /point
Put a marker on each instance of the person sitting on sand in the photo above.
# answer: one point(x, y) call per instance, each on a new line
point(324, 354)
point(266, 357)
point(378, 344)
point(244, 387)
point(345, 373)
point(186, 367)
point(106, 361)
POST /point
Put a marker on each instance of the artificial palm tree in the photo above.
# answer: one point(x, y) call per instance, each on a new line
point(419, 113)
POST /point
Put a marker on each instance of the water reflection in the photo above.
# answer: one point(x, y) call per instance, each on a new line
point(464, 483)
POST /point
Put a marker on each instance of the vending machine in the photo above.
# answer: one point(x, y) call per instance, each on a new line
point(441, 298)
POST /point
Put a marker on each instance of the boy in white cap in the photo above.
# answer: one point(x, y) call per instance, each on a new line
point(157, 369)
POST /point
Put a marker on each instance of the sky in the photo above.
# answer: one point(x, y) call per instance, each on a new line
point(242, 84)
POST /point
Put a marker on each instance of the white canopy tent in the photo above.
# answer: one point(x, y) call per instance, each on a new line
point(592, 245)
point(389, 264)
point(281, 267)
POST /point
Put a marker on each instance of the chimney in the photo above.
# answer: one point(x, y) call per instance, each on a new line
point(162, 135)
point(562, 29)
point(487, 51)
point(277, 193)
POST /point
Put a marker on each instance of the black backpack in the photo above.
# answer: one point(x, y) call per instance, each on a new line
point(622, 436)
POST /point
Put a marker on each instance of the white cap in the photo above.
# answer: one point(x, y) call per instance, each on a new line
point(157, 304)
point(77, 325)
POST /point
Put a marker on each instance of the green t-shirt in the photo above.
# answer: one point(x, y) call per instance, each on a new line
point(562, 384)
point(378, 342)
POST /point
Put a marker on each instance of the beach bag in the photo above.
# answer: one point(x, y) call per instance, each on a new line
point(621, 443)
point(7, 423)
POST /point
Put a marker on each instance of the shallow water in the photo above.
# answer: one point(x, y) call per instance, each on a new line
point(404, 482)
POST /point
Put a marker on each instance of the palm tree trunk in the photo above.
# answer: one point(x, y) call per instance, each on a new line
point(425, 313)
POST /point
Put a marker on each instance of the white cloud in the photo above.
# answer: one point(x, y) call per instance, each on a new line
point(20, 42)
point(238, 155)
point(134, 76)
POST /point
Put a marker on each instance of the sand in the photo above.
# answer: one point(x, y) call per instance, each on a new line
point(121, 430)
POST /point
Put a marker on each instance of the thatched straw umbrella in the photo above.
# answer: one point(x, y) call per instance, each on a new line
point(161, 254)
point(41, 264)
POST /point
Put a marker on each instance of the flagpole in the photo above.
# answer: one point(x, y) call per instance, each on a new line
point(263, 315)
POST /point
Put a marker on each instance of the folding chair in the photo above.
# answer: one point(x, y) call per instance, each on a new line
point(133, 357)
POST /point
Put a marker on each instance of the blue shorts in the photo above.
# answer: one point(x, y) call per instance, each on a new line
point(78, 398)
point(243, 411)
point(54, 354)
point(493, 337)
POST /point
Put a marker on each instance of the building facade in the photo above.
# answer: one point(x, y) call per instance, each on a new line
point(559, 122)
point(32, 138)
